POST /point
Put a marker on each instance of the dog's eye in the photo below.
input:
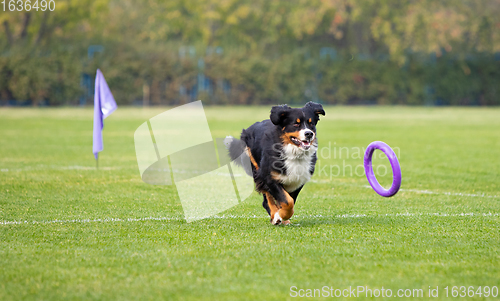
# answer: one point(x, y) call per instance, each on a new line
point(296, 124)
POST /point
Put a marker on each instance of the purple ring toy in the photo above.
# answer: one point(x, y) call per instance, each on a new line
point(396, 169)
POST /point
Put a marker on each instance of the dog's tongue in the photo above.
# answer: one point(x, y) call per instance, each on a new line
point(305, 144)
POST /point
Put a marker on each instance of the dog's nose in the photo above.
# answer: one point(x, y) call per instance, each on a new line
point(309, 135)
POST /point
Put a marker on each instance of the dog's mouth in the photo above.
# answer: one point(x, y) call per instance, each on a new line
point(301, 143)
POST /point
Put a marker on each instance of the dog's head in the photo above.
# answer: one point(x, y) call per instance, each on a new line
point(298, 125)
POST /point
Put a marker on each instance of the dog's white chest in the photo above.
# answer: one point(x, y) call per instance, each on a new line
point(298, 166)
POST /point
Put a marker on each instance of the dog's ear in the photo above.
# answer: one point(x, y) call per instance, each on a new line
point(316, 108)
point(279, 113)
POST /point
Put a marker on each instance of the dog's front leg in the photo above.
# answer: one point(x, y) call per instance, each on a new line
point(283, 204)
point(273, 209)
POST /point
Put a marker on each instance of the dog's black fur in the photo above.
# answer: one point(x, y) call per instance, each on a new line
point(278, 147)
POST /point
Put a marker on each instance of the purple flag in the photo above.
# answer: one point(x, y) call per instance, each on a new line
point(104, 105)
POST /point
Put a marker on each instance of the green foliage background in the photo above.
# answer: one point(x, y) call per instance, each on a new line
point(332, 51)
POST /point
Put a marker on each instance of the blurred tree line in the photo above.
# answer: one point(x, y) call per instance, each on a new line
point(255, 52)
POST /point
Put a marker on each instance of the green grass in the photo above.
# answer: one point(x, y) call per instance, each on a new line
point(343, 234)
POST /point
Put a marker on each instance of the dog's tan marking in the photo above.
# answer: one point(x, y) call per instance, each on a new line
point(286, 210)
point(310, 120)
point(298, 120)
point(275, 176)
point(254, 163)
point(272, 205)
point(286, 137)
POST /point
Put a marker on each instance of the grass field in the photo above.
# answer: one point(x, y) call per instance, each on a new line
point(441, 229)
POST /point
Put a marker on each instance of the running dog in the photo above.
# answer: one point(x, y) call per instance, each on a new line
point(282, 152)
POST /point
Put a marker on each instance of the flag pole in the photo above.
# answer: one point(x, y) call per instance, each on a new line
point(97, 163)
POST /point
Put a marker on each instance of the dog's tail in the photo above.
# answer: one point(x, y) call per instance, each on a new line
point(238, 154)
point(235, 147)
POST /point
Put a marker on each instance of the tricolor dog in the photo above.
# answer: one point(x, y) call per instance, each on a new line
point(282, 152)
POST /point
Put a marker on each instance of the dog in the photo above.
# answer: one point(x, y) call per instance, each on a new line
point(282, 153)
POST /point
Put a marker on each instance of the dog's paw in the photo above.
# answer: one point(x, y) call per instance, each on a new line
point(287, 222)
point(276, 220)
